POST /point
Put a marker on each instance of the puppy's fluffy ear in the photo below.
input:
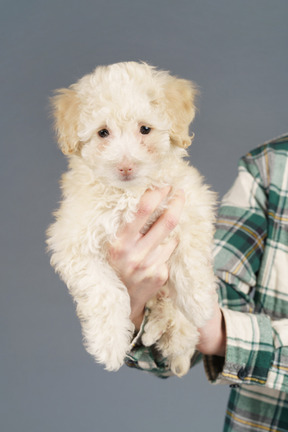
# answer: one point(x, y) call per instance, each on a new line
point(180, 96)
point(65, 109)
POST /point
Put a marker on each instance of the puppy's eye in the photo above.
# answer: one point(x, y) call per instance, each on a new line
point(103, 133)
point(145, 130)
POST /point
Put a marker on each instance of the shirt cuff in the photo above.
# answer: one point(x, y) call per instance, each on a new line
point(147, 359)
point(278, 374)
point(249, 350)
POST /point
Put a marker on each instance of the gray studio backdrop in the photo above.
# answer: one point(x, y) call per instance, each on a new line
point(236, 51)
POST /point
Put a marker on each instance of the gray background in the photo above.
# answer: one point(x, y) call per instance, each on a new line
point(236, 51)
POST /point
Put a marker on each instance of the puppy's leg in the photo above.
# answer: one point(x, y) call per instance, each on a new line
point(103, 307)
point(174, 335)
point(178, 341)
point(158, 320)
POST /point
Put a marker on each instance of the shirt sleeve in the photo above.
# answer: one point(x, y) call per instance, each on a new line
point(257, 343)
point(257, 346)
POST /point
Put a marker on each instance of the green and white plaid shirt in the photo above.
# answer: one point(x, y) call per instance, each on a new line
point(251, 262)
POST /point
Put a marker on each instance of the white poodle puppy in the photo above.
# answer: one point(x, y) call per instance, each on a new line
point(125, 129)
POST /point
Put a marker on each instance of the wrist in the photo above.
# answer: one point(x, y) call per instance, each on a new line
point(213, 336)
point(137, 317)
point(220, 346)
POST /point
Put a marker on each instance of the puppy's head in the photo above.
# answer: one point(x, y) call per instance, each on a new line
point(123, 120)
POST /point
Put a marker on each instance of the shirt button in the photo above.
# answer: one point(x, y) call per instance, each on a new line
point(242, 373)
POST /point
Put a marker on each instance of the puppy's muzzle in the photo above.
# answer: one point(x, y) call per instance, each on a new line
point(126, 170)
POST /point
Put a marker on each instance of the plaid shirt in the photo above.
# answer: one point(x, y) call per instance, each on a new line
point(251, 262)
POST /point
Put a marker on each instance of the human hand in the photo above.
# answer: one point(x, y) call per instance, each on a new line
point(141, 260)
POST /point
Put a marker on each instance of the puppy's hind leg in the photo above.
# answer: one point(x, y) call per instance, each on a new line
point(178, 342)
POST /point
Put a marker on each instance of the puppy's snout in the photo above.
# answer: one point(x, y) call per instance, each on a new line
point(126, 169)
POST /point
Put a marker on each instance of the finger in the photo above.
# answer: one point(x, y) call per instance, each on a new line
point(147, 205)
point(154, 278)
point(165, 224)
point(148, 268)
point(161, 254)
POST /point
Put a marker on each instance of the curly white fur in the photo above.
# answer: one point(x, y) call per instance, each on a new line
point(112, 161)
